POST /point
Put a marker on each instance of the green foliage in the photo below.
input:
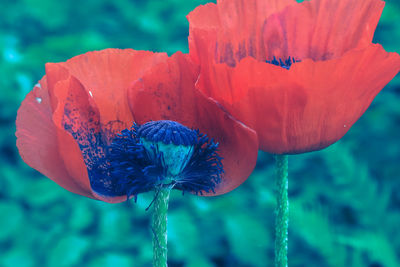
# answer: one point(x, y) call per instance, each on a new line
point(345, 200)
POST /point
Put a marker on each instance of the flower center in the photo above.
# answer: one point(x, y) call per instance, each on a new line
point(286, 64)
point(158, 154)
point(173, 141)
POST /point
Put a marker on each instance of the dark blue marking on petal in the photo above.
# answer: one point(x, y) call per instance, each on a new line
point(284, 64)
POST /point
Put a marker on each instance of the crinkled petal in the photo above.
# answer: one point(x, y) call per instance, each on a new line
point(167, 92)
point(321, 29)
point(231, 29)
point(306, 108)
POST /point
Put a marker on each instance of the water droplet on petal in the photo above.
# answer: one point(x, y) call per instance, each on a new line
point(90, 93)
point(39, 100)
point(345, 126)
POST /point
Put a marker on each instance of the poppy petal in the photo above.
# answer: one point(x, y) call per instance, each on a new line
point(68, 146)
point(306, 108)
point(37, 140)
point(321, 29)
point(230, 30)
point(80, 133)
point(100, 78)
point(167, 92)
point(339, 92)
point(106, 75)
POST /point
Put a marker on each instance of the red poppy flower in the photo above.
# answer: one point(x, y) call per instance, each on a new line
point(300, 74)
point(75, 126)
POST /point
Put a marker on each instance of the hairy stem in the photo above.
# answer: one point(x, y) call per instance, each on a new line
point(282, 211)
point(159, 228)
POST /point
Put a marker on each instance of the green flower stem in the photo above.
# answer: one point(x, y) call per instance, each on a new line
point(159, 228)
point(282, 211)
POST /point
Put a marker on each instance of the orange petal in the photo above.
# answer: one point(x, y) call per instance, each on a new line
point(106, 75)
point(37, 140)
point(231, 29)
point(306, 108)
point(321, 29)
point(167, 93)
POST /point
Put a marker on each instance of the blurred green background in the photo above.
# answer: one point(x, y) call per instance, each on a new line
point(345, 200)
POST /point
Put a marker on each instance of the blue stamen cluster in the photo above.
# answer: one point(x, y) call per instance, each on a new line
point(167, 132)
point(205, 162)
point(154, 155)
point(286, 64)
